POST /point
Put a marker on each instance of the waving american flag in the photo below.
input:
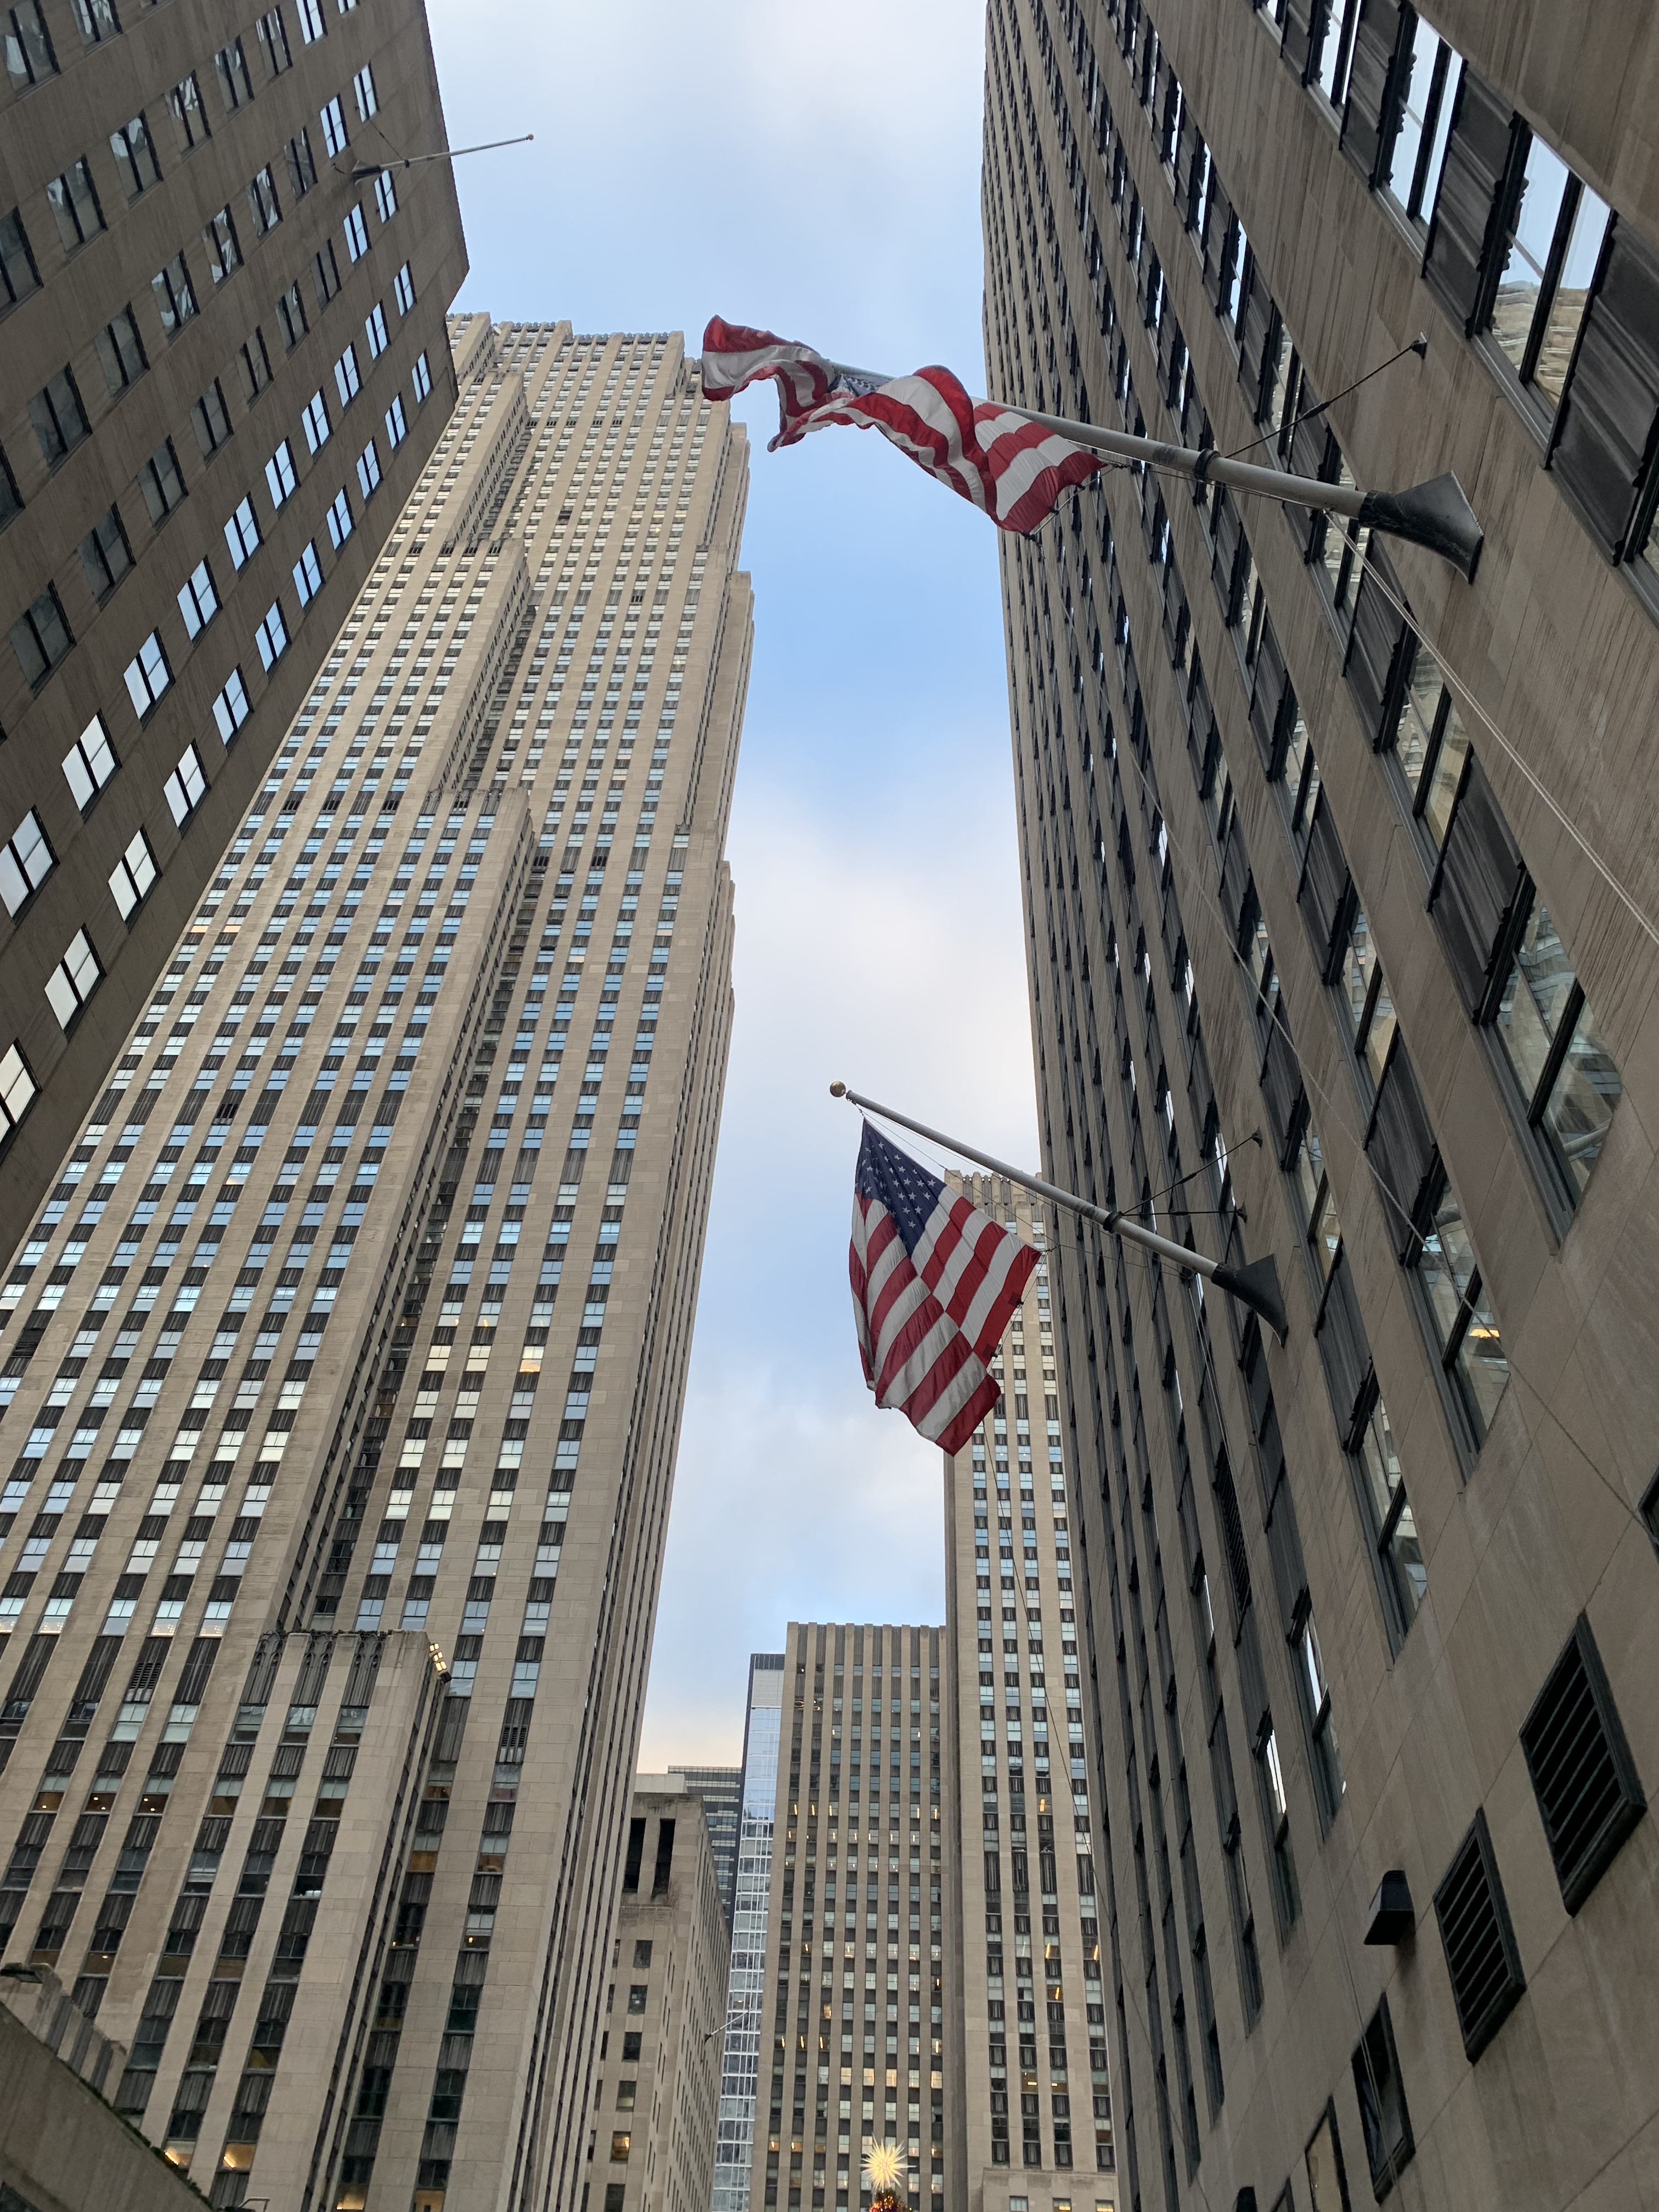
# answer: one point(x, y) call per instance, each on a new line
point(1010, 468)
point(935, 1281)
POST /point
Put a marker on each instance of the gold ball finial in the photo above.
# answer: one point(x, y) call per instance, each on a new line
point(838, 1090)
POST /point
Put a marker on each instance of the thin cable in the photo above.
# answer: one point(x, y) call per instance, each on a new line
point(1419, 346)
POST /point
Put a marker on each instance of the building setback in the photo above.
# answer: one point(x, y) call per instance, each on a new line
point(226, 367)
point(328, 1609)
point(656, 2096)
point(1320, 847)
point(859, 2005)
point(1025, 2040)
point(746, 1986)
point(721, 1789)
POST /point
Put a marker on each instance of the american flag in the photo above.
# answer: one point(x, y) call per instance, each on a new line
point(1010, 469)
point(935, 1281)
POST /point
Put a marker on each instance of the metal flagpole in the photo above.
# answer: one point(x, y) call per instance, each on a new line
point(1436, 514)
point(1255, 1287)
point(444, 153)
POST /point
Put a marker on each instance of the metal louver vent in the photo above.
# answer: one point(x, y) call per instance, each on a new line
point(1586, 1784)
point(1480, 1943)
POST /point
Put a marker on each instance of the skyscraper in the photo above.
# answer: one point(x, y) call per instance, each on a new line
point(721, 1789)
point(333, 1537)
point(751, 1897)
point(1339, 912)
point(1025, 2043)
point(857, 2036)
point(226, 367)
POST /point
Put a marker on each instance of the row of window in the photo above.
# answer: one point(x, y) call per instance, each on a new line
point(31, 56)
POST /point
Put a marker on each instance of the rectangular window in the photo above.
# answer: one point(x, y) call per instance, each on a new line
point(95, 19)
point(403, 289)
point(272, 636)
point(89, 763)
point(59, 419)
point(256, 365)
point(326, 271)
point(121, 351)
point(311, 20)
point(105, 554)
point(17, 1088)
point(273, 42)
point(134, 156)
point(340, 519)
point(74, 980)
point(230, 67)
point(1566, 1077)
point(132, 877)
point(385, 195)
point(332, 118)
point(1454, 1302)
point(73, 201)
point(421, 377)
point(1381, 2095)
point(1553, 242)
point(301, 167)
point(210, 420)
point(282, 479)
point(368, 471)
point(18, 275)
point(42, 637)
point(356, 233)
point(397, 429)
point(363, 85)
point(1393, 1527)
point(29, 56)
point(176, 296)
point(230, 708)
point(307, 575)
point(189, 123)
point(291, 316)
point(379, 338)
point(198, 602)
point(147, 675)
point(186, 786)
point(347, 377)
point(263, 203)
point(10, 502)
point(242, 532)
point(26, 860)
point(160, 482)
point(314, 416)
point(1428, 84)
point(224, 253)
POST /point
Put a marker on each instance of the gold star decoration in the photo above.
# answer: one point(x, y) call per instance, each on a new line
point(883, 2167)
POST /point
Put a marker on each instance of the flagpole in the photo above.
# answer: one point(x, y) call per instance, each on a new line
point(1255, 1287)
point(1435, 514)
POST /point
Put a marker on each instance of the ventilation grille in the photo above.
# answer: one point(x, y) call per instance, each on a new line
point(1474, 1927)
point(1582, 1771)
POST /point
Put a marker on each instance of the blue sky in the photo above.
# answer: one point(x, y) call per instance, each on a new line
point(757, 161)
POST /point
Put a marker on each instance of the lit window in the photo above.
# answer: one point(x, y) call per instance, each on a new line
point(198, 603)
point(132, 876)
point(378, 338)
point(316, 422)
point(311, 20)
point(242, 532)
point(405, 290)
point(307, 575)
point(340, 519)
point(147, 675)
point(363, 85)
point(176, 296)
point(230, 707)
point(397, 429)
point(26, 860)
point(74, 980)
point(89, 763)
point(347, 377)
point(41, 637)
point(422, 379)
point(334, 129)
point(385, 195)
point(281, 477)
point(186, 786)
point(272, 636)
point(17, 1089)
point(368, 470)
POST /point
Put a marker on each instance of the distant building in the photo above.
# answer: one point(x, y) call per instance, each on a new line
point(226, 367)
point(721, 1789)
point(657, 2090)
point(855, 2018)
point(751, 1895)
